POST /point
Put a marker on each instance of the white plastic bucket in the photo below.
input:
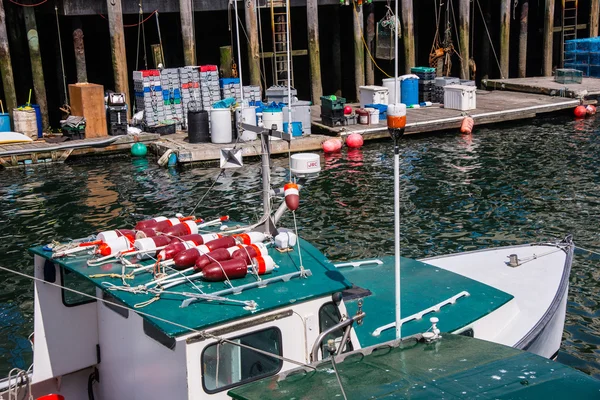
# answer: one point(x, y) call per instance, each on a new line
point(389, 84)
point(374, 115)
point(246, 116)
point(273, 116)
point(220, 125)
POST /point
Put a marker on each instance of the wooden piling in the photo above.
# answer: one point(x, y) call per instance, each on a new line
point(225, 61)
point(312, 16)
point(79, 48)
point(523, 40)
point(117, 44)
point(253, 48)
point(464, 24)
point(359, 50)
point(8, 80)
point(408, 35)
point(505, 10)
point(37, 72)
point(484, 64)
point(187, 31)
point(336, 54)
point(594, 16)
point(370, 66)
point(548, 37)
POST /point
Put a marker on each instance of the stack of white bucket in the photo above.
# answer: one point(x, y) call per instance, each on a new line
point(149, 96)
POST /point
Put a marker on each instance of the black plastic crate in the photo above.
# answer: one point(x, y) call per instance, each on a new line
point(333, 121)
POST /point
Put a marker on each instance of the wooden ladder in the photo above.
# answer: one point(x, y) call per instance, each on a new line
point(569, 28)
point(280, 20)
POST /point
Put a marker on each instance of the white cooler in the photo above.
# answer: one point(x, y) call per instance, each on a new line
point(460, 97)
point(373, 95)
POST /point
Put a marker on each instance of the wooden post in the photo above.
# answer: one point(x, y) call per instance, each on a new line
point(548, 37)
point(484, 66)
point(314, 53)
point(8, 80)
point(464, 23)
point(523, 40)
point(225, 61)
point(253, 48)
point(359, 52)
point(37, 72)
point(336, 54)
point(79, 52)
point(370, 67)
point(117, 44)
point(594, 15)
point(187, 31)
point(505, 9)
point(408, 35)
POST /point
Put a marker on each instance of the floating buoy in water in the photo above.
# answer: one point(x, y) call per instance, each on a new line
point(467, 125)
point(354, 140)
point(580, 111)
point(590, 110)
point(139, 150)
point(331, 145)
point(292, 196)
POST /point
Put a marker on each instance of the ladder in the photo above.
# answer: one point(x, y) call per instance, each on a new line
point(280, 21)
point(569, 29)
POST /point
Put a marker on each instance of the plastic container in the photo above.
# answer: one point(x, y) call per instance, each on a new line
point(5, 122)
point(38, 116)
point(198, 126)
point(247, 116)
point(220, 125)
point(364, 116)
point(300, 113)
point(389, 84)
point(410, 90)
point(296, 128)
point(25, 122)
point(460, 97)
point(566, 76)
point(272, 116)
point(373, 116)
point(373, 95)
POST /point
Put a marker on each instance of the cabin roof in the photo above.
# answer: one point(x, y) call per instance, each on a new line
point(453, 367)
point(325, 279)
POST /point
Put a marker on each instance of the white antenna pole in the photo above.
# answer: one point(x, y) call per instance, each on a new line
point(239, 54)
point(397, 190)
point(289, 72)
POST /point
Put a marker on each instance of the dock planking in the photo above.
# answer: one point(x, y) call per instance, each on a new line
point(547, 86)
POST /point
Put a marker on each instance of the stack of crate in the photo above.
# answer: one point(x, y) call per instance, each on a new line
point(230, 87)
point(169, 79)
point(426, 82)
point(252, 93)
point(438, 88)
point(149, 96)
point(584, 55)
point(189, 78)
point(209, 85)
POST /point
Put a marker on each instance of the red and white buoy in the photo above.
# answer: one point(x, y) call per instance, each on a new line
point(149, 247)
point(590, 109)
point(114, 246)
point(116, 233)
point(184, 228)
point(292, 196)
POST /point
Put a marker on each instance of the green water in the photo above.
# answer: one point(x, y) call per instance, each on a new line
point(507, 185)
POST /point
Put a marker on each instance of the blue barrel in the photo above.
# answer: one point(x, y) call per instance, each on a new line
point(410, 91)
point(5, 122)
point(38, 117)
point(296, 128)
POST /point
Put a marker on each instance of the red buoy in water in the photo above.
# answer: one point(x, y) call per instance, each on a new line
point(580, 111)
point(467, 125)
point(354, 140)
point(331, 145)
point(590, 109)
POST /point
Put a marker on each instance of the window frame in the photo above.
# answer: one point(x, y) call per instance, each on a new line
point(242, 382)
point(349, 346)
point(63, 290)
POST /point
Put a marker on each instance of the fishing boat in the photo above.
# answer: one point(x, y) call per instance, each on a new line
point(178, 307)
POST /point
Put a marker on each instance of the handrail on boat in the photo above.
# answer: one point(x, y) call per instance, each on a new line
point(347, 323)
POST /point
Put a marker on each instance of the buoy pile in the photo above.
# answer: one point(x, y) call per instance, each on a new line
point(583, 111)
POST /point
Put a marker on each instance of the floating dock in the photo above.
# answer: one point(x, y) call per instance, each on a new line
point(589, 87)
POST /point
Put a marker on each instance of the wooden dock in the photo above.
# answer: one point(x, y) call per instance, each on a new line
point(589, 87)
point(492, 107)
point(12, 155)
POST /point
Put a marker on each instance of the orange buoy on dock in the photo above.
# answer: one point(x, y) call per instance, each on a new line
point(467, 125)
point(354, 140)
point(580, 111)
point(331, 145)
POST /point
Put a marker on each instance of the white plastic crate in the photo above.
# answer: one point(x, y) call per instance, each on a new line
point(373, 95)
point(460, 97)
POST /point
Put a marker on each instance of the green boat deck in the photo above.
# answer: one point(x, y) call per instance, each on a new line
point(453, 367)
point(422, 286)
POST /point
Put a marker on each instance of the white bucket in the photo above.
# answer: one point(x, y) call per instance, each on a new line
point(220, 125)
point(272, 117)
point(374, 115)
point(389, 84)
point(246, 116)
point(26, 123)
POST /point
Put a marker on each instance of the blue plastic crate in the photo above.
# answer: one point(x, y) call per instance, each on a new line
point(228, 81)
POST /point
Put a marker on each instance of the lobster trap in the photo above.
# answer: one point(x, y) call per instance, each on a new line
point(384, 37)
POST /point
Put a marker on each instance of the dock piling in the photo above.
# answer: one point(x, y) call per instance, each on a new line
point(548, 37)
point(359, 52)
point(336, 54)
point(8, 80)
point(594, 16)
point(464, 23)
point(117, 44)
point(187, 31)
point(312, 16)
point(79, 47)
point(505, 11)
point(225, 61)
point(253, 48)
point(37, 72)
point(523, 40)
point(408, 35)
point(370, 67)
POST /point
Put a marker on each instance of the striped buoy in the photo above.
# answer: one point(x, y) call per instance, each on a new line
point(292, 196)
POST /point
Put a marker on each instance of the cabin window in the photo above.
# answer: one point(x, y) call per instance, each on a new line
point(226, 365)
point(329, 315)
point(71, 280)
